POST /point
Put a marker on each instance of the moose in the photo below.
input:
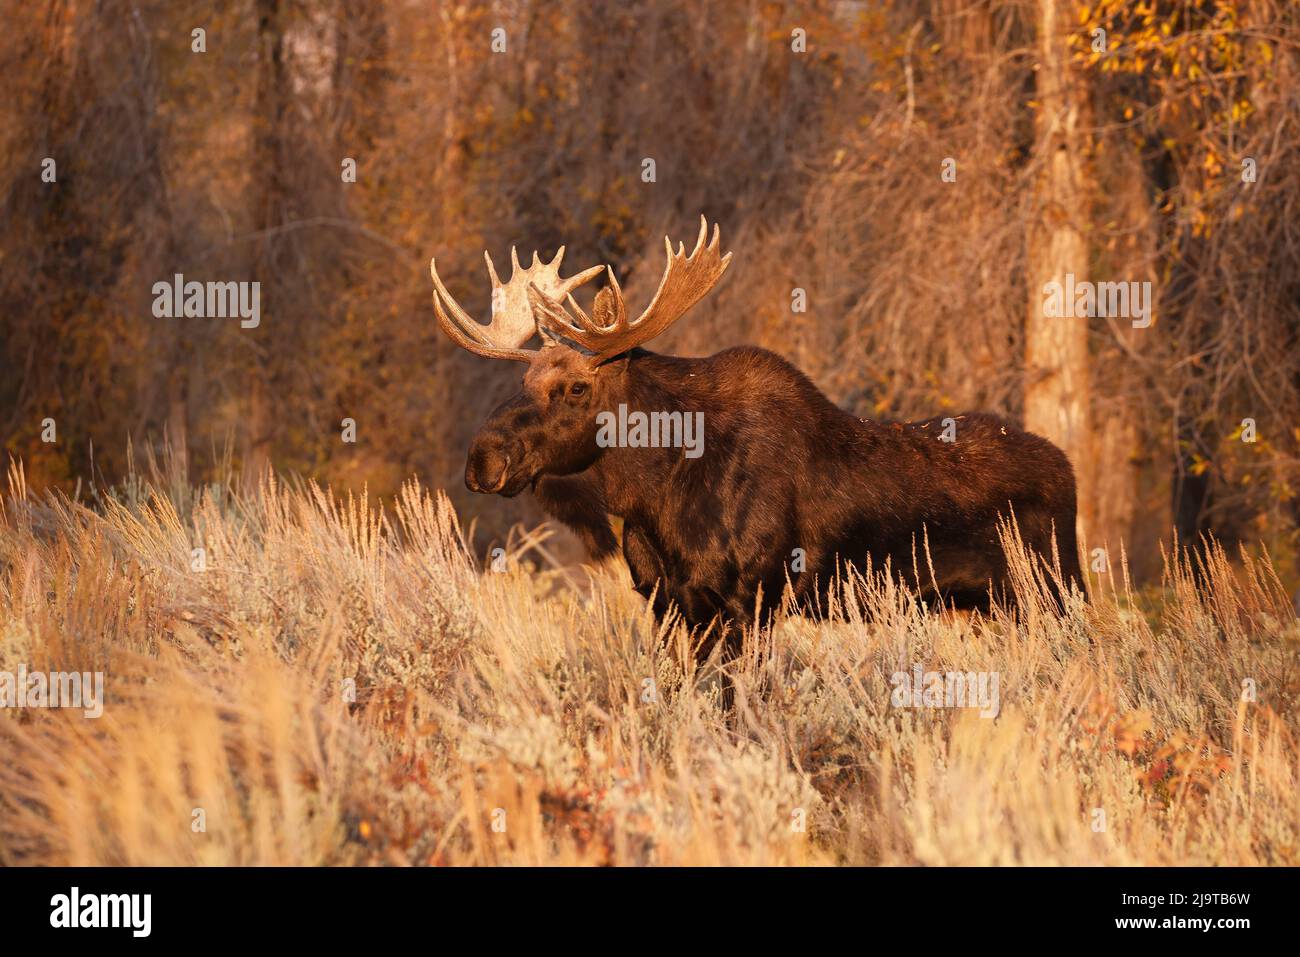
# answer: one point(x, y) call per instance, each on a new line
point(790, 488)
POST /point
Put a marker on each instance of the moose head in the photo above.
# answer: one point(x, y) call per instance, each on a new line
point(549, 426)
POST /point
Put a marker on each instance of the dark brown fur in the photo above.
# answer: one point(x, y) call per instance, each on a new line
point(783, 468)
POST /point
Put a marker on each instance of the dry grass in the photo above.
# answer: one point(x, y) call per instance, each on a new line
point(518, 697)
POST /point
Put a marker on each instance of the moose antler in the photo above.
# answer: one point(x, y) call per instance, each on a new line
point(512, 316)
point(686, 280)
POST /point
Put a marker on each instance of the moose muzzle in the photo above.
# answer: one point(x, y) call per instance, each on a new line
point(496, 468)
point(486, 469)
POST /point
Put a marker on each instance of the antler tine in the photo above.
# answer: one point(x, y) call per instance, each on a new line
point(574, 319)
point(571, 305)
point(686, 280)
point(492, 270)
point(554, 321)
point(579, 279)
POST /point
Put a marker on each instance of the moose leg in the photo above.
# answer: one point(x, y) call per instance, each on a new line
point(700, 608)
point(646, 566)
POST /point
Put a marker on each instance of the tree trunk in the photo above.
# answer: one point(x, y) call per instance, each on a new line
point(267, 215)
point(1056, 348)
point(1127, 510)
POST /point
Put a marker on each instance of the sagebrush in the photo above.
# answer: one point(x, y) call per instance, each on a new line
point(342, 684)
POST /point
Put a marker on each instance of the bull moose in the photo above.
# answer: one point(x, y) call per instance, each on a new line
point(789, 487)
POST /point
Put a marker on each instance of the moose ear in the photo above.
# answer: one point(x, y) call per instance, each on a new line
point(607, 312)
point(604, 312)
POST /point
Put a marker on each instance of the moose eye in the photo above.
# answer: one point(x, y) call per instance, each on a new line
point(578, 389)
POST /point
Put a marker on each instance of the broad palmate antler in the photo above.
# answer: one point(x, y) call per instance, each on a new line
point(512, 321)
point(686, 280)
